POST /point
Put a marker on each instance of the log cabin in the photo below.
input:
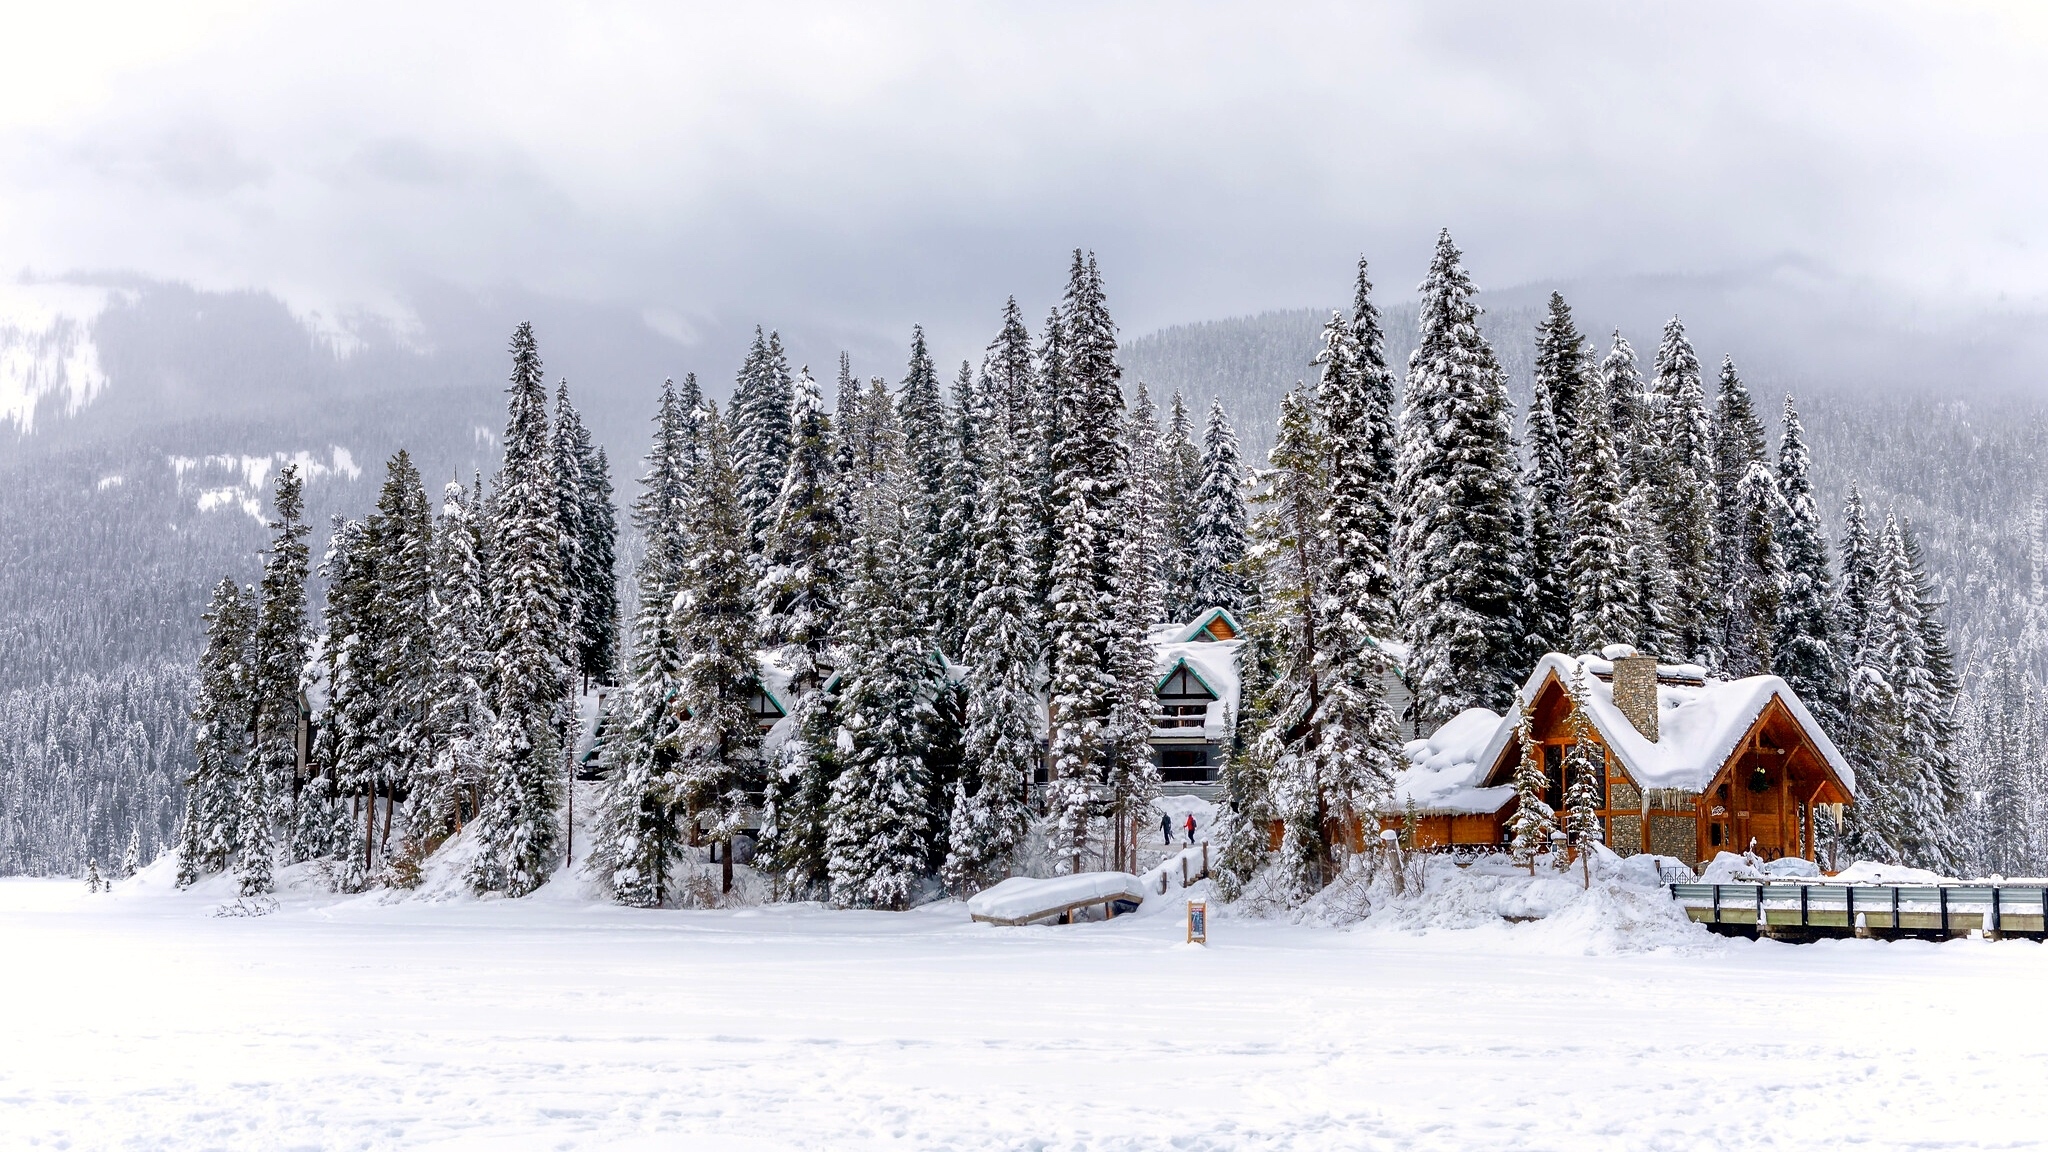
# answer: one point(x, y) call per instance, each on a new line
point(1690, 764)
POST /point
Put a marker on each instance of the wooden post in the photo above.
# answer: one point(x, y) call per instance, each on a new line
point(1183, 871)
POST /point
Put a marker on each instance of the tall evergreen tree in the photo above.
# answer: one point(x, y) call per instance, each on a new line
point(718, 742)
point(1738, 447)
point(1629, 411)
point(283, 641)
point(1012, 387)
point(1078, 695)
point(926, 447)
point(1220, 520)
point(518, 827)
point(799, 592)
point(445, 797)
point(1132, 777)
point(952, 559)
point(1180, 479)
point(639, 825)
point(759, 424)
point(880, 826)
point(220, 736)
point(1603, 597)
point(1456, 539)
point(1355, 403)
point(401, 532)
point(349, 728)
point(1563, 374)
point(989, 816)
point(1803, 651)
point(1687, 500)
point(589, 544)
point(1756, 574)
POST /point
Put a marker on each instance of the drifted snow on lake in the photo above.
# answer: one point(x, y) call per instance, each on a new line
point(146, 1019)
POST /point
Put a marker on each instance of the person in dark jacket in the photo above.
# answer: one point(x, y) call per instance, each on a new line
point(1165, 828)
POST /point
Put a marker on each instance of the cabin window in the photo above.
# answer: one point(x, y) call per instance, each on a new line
point(1184, 764)
point(766, 710)
point(1553, 776)
point(1183, 700)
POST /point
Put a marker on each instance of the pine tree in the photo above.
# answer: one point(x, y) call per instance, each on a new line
point(1011, 388)
point(1629, 412)
point(589, 544)
point(799, 591)
point(1859, 581)
point(759, 424)
point(639, 828)
point(1738, 447)
point(1685, 463)
point(1456, 539)
point(1180, 478)
point(220, 736)
point(1220, 520)
point(1049, 413)
point(952, 559)
point(1355, 402)
point(1534, 820)
point(1078, 699)
point(1585, 789)
point(1755, 579)
point(444, 797)
point(281, 648)
point(1139, 603)
point(989, 816)
point(517, 829)
point(348, 730)
point(926, 449)
point(718, 742)
point(880, 826)
point(1562, 377)
point(401, 652)
point(1803, 650)
point(1603, 599)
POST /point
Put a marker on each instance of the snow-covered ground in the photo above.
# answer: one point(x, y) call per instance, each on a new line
point(143, 1020)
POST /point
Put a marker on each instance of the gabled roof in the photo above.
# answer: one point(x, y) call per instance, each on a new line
point(1176, 632)
point(1702, 721)
point(1700, 725)
point(1160, 684)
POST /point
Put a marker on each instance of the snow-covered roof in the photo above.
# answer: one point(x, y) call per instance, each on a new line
point(1215, 662)
point(1700, 721)
point(1445, 771)
point(1185, 631)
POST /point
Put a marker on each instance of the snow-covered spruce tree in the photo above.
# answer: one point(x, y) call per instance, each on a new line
point(1355, 402)
point(1738, 447)
point(1563, 375)
point(1930, 712)
point(1132, 776)
point(282, 642)
point(445, 795)
point(880, 826)
point(1629, 414)
point(639, 828)
point(1180, 479)
point(220, 736)
point(952, 550)
point(402, 660)
point(758, 419)
point(1289, 557)
point(2005, 737)
point(131, 857)
point(799, 591)
point(589, 544)
point(1585, 789)
point(1220, 529)
point(1650, 584)
point(718, 744)
point(1755, 576)
point(1603, 598)
point(1534, 820)
point(1078, 689)
point(348, 729)
point(1686, 498)
point(1456, 537)
point(1049, 411)
point(1859, 579)
point(1011, 382)
point(518, 827)
point(990, 816)
point(926, 448)
point(1803, 650)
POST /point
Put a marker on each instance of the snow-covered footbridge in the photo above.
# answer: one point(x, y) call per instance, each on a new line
point(1812, 910)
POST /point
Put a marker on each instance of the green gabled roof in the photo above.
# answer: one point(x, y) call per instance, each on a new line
point(1192, 671)
point(1202, 622)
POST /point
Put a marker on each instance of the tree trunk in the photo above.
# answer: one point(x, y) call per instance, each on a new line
point(369, 829)
point(725, 867)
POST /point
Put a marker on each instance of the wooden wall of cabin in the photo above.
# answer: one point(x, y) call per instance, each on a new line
point(1766, 793)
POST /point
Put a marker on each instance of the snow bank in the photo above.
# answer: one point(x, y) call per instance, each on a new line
point(1021, 899)
point(1871, 872)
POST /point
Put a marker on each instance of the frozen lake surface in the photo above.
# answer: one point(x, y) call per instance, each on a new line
point(142, 1020)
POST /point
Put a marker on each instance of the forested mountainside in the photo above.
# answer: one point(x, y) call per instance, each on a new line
point(119, 519)
point(1961, 464)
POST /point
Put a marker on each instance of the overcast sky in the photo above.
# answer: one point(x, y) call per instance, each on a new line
point(867, 166)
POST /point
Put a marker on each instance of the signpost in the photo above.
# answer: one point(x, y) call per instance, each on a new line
point(1198, 922)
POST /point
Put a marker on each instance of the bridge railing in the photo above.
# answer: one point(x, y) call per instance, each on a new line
point(1930, 907)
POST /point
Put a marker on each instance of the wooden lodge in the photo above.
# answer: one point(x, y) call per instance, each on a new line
point(1690, 765)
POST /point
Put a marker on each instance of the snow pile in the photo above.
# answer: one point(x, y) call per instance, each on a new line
point(1621, 908)
point(1446, 770)
point(1872, 872)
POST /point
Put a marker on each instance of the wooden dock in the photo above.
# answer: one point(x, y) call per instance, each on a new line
point(1804, 911)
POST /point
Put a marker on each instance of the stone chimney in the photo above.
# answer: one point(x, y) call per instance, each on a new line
point(1635, 692)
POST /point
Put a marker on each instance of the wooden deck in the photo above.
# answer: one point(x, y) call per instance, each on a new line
point(1810, 911)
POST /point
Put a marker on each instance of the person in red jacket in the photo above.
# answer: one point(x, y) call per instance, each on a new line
point(1191, 828)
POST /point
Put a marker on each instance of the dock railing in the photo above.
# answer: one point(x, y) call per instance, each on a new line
point(1947, 909)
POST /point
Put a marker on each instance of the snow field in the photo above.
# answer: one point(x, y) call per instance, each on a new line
point(554, 1022)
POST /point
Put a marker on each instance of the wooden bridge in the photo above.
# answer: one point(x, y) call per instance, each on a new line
point(1794, 911)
